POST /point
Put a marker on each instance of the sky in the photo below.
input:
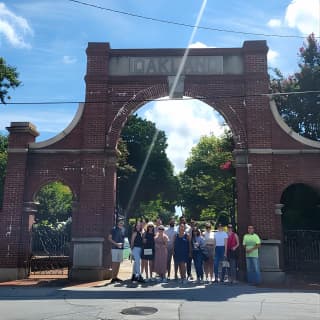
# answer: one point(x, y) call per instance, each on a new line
point(46, 41)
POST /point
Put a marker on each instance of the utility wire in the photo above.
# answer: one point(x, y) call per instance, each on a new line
point(203, 98)
point(181, 24)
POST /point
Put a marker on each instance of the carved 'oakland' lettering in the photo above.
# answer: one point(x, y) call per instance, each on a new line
point(168, 65)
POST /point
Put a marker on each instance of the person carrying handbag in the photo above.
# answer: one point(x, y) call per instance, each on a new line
point(232, 253)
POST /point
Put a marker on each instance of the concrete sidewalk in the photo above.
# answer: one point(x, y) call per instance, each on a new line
point(170, 301)
point(61, 300)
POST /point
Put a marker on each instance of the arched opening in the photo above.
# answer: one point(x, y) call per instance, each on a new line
point(301, 208)
point(301, 227)
point(181, 126)
point(51, 231)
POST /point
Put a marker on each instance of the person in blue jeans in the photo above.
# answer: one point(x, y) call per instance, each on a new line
point(251, 242)
point(221, 238)
point(197, 243)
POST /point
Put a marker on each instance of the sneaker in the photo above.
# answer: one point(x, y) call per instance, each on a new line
point(140, 279)
point(113, 280)
point(184, 281)
point(134, 278)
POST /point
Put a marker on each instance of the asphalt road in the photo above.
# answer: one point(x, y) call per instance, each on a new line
point(171, 301)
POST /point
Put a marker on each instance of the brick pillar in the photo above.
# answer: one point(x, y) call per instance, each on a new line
point(110, 200)
point(260, 180)
point(15, 222)
point(91, 250)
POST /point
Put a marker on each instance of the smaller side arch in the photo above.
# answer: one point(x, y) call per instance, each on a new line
point(34, 190)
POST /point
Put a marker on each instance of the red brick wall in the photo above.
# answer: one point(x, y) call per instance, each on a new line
point(85, 158)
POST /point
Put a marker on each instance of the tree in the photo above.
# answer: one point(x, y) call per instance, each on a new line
point(301, 111)
point(207, 190)
point(8, 79)
point(55, 203)
point(3, 164)
point(157, 180)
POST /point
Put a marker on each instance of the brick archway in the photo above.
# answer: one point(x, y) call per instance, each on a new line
point(234, 81)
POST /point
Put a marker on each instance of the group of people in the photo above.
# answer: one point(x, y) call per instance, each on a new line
point(214, 253)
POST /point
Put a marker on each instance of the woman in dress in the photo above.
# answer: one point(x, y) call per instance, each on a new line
point(136, 249)
point(209, 243)
point(148, 250)
point(182, 251)
point(161, 253)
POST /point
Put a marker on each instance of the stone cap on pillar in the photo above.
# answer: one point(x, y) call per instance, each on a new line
point(21, 134)
point(23, 127)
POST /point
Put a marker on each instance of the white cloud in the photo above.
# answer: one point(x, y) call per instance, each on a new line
point(184, 122)
point(304, 15)
point(69, 60)
point(274, 23)
point(14, 27)
point(272, 56)
point(198, 44)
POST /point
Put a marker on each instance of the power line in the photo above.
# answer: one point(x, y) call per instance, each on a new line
point(202, 98)
point(181, 24)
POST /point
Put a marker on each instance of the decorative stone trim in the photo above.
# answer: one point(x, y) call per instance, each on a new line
point(62, 134)
point(278, 208)
point(288, 130)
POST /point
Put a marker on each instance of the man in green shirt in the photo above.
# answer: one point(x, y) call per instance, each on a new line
point(251, 242)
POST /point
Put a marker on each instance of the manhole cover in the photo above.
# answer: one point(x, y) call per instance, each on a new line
point(139, 311)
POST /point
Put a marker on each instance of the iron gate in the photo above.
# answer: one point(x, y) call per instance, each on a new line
point(302, 250)
point(50, 252)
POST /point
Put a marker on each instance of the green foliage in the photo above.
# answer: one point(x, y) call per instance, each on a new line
point(8, 79)
point(158, 180)
point(154, 209)
point(55, 203)
point(3, 164)
point(301, 111)
point(207, 191)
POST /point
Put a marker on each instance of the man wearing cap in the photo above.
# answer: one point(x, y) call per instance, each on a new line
point(116, 238)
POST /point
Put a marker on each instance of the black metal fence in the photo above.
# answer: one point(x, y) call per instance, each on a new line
point(302, 250)
point(50, 251)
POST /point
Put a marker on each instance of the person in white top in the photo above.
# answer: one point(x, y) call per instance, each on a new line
point(209, 242)
point(221, 238)
point(171, 232)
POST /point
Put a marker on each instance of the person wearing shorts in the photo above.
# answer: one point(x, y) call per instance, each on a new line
point(116, 237)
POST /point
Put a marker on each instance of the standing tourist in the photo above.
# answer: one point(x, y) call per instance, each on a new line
point(209, 243)
point(252, 243)
point(197, 245)
point(221, 238)
point(171, 232)
point(182, 251)
point(136, 249)
point(161, 253)
point(192, 226)
point(158, 224)
point(232, 253)
point(147, 254)
point(116, 238)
